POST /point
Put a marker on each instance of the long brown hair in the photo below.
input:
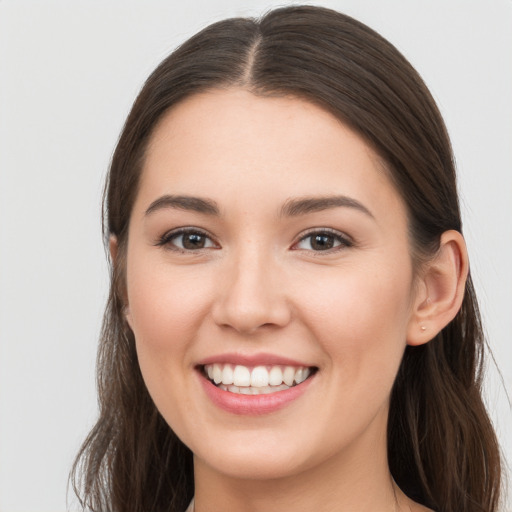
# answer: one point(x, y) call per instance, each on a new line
point(442, 449)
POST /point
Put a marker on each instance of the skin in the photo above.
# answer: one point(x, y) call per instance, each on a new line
point(258, 286)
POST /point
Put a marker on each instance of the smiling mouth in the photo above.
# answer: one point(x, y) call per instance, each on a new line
point(257, 380)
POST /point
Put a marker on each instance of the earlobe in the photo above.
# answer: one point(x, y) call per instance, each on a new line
point(113, 247)
point(126, 313)
point(440, 291)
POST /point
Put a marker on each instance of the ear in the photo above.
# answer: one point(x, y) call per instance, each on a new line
point(113, 246)
point(440, 289)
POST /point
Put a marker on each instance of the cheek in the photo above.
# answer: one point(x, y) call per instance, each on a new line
point(360, 316)
point(165, 307)
point(359, 319)
point(166, 313)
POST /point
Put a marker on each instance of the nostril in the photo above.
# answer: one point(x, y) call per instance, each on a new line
point(250, 302)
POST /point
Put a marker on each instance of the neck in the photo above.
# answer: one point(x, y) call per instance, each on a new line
point(357, 478)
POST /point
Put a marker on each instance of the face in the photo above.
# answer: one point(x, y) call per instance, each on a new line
point(267, 248)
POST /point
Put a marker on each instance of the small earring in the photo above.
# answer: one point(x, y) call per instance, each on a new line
point(423, 328)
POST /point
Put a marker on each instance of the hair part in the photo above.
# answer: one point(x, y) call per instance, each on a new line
point(442, 449)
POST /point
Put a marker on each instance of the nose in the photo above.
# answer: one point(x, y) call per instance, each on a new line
point(251, 295)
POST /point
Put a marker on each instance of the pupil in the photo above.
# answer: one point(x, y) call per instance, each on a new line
point(193, 241)
point(322, 242)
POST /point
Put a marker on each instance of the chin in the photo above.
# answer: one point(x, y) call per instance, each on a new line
point(254, 464)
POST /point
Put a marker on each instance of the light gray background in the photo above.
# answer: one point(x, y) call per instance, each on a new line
point(69, 72)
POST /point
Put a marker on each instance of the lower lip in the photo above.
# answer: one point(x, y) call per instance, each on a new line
point(253, 405)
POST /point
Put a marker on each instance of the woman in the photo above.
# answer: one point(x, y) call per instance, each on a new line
point(291, 323)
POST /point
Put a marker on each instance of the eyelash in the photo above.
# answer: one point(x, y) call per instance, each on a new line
point(340, 239)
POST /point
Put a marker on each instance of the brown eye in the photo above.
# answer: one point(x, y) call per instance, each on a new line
point(193, 241)
point(187, 240)
point(322, 241)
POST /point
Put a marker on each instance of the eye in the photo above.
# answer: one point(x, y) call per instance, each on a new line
point(187, 240)
point(322, 240)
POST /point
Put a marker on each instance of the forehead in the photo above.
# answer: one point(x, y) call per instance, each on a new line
point(233, 144)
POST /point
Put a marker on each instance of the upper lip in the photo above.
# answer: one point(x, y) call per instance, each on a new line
point(261, 359)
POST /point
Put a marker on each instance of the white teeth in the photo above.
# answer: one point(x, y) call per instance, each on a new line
point(275, 376)
point(217, 373)
point(253, 391)
point(241, 376)
point(227, 374)
point(289, 375)
point(260, 377)
point(301, 375)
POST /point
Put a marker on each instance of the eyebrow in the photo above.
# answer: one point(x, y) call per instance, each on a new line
point(291, 208)
point(302, 206)
point(195, 204)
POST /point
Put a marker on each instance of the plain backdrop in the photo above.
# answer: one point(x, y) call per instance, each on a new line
point(69, 72)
